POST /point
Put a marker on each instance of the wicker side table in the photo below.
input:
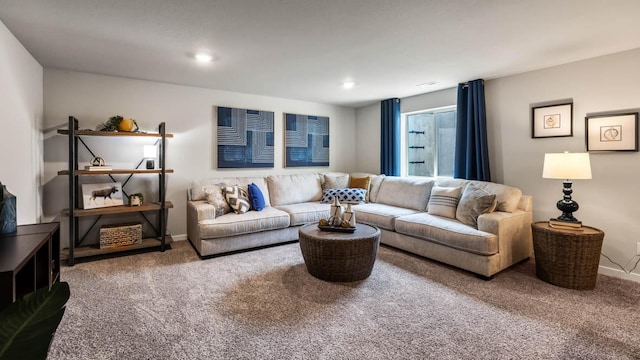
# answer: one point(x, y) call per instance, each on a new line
point(337, 256)
point(567, 258)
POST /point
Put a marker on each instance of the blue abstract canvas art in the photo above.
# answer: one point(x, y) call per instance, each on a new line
point(306, 140)
point(245, 138)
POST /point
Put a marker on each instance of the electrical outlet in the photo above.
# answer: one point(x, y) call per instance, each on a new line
point(638, 249)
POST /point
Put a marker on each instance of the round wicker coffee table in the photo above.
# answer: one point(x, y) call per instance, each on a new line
point(339, 256)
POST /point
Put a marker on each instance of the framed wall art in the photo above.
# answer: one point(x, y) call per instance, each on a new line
point(245, 138)
point(306, 140)
point(102, 195)
point(552, 120)
point(612, 132)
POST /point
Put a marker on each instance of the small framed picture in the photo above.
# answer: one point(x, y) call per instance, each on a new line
point(102, 195)
point(552, 120)
point(613, 132)
point(136, 199)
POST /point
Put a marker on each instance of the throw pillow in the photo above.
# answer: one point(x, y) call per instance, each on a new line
point(362, 183)
point(237, 198)
point(347, 196)
point(473, 203)
point(443, 201)
point(256, 197)
point(335, 181)
point(216, 198)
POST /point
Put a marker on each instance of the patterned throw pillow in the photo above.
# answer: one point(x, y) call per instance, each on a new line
point(216, 198)
point(362, 183)
point(473, 203)
point(237, 198)
point(444, 201)
point(348, 196)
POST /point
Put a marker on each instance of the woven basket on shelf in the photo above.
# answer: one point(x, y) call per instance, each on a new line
point(120, 235)
point(567, 258)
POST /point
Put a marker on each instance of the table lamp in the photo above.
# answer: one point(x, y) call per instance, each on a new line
point(150, 155)
point(567, 166)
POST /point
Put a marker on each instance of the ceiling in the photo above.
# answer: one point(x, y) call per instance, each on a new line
point(306, 49)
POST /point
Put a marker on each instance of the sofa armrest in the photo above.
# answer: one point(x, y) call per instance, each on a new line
point(513, 231)
point(196, 212)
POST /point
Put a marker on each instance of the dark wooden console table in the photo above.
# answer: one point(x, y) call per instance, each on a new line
point(29, 260)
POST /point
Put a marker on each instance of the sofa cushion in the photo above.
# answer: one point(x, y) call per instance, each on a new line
point(374, 184)
point(215, 197)
point(198, 187)
point(380, 215)
point(304, 213)
point(335, 181)
point(444, 201)
point(294, 189)
point(235, 224)
point(362, 183)
point(507, 197)
point(473, 203)
point(255, 197)
point(447, 232)
point(374, 188)
point(237, 198)
point(347, 196)
point(411, 192)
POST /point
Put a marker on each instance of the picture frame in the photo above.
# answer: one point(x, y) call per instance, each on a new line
point(136, 199)
point(102, 195)
point(554, 120)
point(612, 132)
point(245, 138)
point(306, 140)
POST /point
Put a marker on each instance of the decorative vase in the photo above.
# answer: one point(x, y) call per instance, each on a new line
point(8, 222)
point(336, 213)
point(350, 216)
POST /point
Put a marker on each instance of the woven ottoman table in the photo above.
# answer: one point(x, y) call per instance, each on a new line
point(339, 256)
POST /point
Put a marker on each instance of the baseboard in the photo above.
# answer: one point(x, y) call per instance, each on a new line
point(618, 273)
point(181, 237)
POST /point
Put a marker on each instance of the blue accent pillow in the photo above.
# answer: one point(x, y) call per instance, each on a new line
point(256, 197)
point(347, 195)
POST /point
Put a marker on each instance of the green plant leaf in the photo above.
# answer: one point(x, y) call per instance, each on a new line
point(28, 325)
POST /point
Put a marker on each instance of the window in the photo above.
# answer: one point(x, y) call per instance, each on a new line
point(429, 142)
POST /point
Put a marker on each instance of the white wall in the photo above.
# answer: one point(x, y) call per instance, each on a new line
point(188, 113)
point(609, 201)
point(21, 114)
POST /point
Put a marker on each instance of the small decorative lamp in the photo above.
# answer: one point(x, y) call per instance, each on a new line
point(567, 166)
point(150, 155)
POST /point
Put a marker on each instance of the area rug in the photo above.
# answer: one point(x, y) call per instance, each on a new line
point(263, 304)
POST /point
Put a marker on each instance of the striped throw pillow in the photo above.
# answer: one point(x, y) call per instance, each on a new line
point(444, 201)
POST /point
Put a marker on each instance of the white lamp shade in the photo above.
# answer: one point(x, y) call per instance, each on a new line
point(149, 151)
point(566, 165)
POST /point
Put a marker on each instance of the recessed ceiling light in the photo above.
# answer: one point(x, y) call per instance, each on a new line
point(203, 57)
point(348, 84)
point(428, 83)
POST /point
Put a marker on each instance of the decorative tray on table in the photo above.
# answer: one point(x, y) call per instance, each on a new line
point(337, 228)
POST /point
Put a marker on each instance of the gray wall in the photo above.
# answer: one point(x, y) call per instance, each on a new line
point(188, 113)
point(602, 84)
point(21, 114)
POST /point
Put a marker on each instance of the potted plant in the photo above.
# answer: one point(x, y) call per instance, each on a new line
point(27, 326)
point(119, 123)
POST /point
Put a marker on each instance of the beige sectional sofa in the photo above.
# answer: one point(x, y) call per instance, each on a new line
point(400, 206)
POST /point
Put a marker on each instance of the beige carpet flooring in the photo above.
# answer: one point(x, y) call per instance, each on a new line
point(264, 305)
